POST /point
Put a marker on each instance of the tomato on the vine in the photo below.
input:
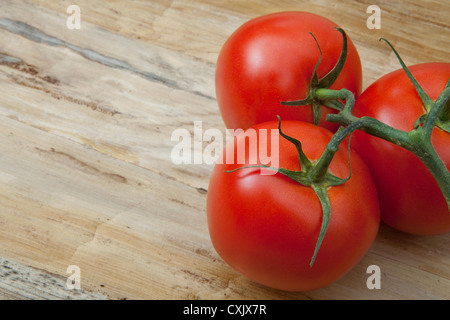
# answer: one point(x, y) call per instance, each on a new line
point(271, 59)
point(410, 198)
point(266, 225)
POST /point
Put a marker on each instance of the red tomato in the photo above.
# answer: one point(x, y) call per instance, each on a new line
point(271, 59)
point(266, 226)
point(410, 199)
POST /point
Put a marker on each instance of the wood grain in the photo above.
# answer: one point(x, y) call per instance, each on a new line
point(20, 282)
point(86, 176)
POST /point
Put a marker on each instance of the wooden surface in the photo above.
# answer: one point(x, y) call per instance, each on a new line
point(86, 177)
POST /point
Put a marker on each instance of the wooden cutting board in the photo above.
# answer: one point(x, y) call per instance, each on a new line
point(86, 177)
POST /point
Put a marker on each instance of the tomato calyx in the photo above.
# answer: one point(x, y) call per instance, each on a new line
point(314, 175)
point(325, 82)
point(442, 121)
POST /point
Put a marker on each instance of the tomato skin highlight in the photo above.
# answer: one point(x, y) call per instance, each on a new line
point(410, 198)
point(271, 59)
point(266, 226)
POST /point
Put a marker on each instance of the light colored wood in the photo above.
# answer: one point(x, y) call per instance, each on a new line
point(87, 115)
point(21, 282)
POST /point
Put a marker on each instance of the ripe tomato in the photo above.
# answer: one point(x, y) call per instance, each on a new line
point(266, 226)
point(410, 199)
point(271, 59)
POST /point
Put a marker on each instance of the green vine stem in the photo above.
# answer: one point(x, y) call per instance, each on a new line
point(418, 140)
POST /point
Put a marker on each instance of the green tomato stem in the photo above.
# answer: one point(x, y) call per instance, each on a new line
point(418, 140)
point(442, 104)
point(425, 151)
point(325, 82)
